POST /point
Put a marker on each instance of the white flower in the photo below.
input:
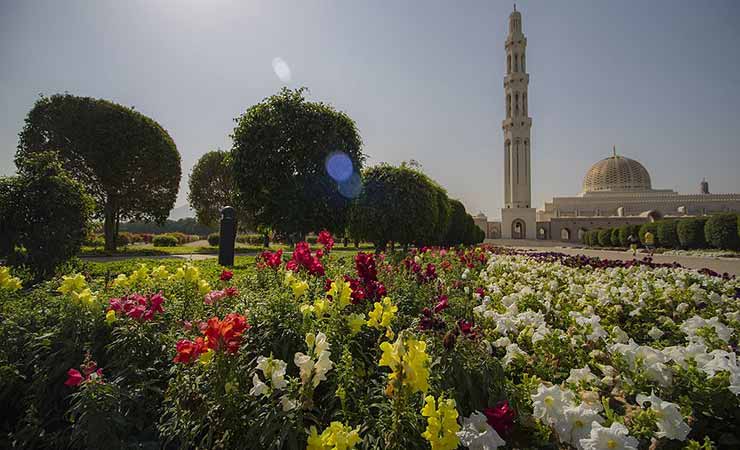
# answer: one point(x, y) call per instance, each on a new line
point(512, 351)
point(615, 437)
point(274, 369)
point(578, 375)
point(619, 335)
point(682, 307)
point(287, 403)
point(576, 424)
point(476, 434)
point(540, 333)
point(314, 366)
point(259, 388)
point(655, 333)
point(549, 403)
point(670, 420)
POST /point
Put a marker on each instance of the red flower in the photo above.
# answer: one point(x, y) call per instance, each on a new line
point(326, 240)
point(226, 275)
point(500, 417)
point(226, 333)
point(442, 304)
point(138, 306)
point(74, 378)
point(272, 260)
point(187, 351)
point(231, 292)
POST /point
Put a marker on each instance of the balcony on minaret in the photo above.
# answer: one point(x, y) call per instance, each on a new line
point(514, 122)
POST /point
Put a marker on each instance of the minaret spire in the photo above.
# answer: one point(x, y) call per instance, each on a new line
point(614, 149)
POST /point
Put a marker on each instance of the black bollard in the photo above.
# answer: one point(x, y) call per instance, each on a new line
point(227, 237)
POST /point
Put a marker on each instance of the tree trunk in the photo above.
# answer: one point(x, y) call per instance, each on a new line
point(109, 228)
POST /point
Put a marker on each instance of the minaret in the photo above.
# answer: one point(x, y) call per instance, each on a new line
point(516, 125)
point(518, 218)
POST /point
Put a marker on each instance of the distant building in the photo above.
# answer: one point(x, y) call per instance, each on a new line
point(616, 190)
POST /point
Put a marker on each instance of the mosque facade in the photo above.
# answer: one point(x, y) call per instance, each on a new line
point(616, 190)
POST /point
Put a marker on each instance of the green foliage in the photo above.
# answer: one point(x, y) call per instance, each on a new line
point(46, 215)
point(397, 204)
point(720, 231)
point(127, 161)
point(280, 147)
point(626, 231)
point(458, 222)
point(667, 233)
point(614, 237)
point(213, 239)
point(651, 227)
point(164, 240)
point(187, 226)
point(605, 237)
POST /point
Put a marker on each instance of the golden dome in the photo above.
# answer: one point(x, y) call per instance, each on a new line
point(617, 173)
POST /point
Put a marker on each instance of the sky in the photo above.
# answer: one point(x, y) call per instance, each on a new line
point(422, 79)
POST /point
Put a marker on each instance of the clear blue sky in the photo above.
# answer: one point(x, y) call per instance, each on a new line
point(423, 79)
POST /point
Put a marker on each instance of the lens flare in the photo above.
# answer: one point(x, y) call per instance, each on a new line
point(339, 166)
point(281, 69)
point(352, 187)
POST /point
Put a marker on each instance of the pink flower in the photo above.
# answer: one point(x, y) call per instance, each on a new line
point(213, 296)
point(231, 292)
point(326, 240)
point(500, 417)
point(442, 304)
point(74, 378)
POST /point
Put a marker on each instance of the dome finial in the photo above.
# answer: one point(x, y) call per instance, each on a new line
point(514, 6)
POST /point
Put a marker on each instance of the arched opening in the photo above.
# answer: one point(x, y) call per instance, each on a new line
point(508, 63)
point(542, 233)
point(518, 229)
point(564, 234)
point(524, 104)
point(581, 233)
point(516, 104)
point(508, 105)
point(516, 63)
point(524, 68)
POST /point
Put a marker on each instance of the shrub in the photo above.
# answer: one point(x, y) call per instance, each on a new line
point(123, 239)
point(690, 232)
point(45, 215)
point(213, 239)
point(182, 238)
point(590, 238)
point(667, 234)
point(164, 240)
point(651, 227)
point(251, 239)
point(720, 231)
point(605, 237)
point(614, 238)
point(624, 233)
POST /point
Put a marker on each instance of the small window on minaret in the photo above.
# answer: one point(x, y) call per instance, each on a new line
point(516, 63)
point(516, 104)
point(524, 69)
point(508, 63)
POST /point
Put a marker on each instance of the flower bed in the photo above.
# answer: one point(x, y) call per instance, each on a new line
point(482, 348)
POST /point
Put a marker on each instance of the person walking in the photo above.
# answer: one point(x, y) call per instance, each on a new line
point(632, 241)
point(649, 240)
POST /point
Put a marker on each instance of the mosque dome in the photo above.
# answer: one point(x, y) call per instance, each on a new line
point(617, 173)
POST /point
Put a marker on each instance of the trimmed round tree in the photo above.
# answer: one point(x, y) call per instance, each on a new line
point(651, 227)
point(46, 215)
point(668, 234)
point(212, 188)
point(614, 237)
point(397, 204)
point(605, 237)
point(126, 161)
point(281, 154)
point(720, 231)
point(456, 229)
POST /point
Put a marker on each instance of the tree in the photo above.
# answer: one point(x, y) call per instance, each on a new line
point(456, 229)
point(720, 231)
point(127, 161)
point(45, 215)
point(212, 188)
point(397, 204)
point(281, 149)
point(691, 232)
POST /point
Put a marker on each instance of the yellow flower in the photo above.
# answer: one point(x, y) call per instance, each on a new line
point(139, 275)
point(299, 288)
point(203, 287)
point(206, 357)
point(382, 315)
point(355, 322)
point(408, 362)
point(336, 437)
point(110, 317)
point(191, 273)
point(320, 307)
point(84, 298)
point(442, 426)
point(72, 283)
point(160, 273)
point(289, 278)
point(121, 280)
point(340, 292)
point(306, 309)
point(7, 281)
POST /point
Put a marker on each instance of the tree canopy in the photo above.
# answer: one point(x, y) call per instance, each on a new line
point(212, 187)
point(127, 161)
point(281, 146)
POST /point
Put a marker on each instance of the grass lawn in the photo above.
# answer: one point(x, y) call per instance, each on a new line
point(150, 250)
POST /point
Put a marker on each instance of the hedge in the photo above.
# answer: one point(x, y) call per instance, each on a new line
point(164, 240)
point(614, 237)
point(690, 232)
point(653, 228)
point(720, 231)
point(667, 234)
point(624, 233)
point(605, 237)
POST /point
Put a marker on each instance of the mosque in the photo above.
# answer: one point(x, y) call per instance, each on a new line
point(616, 190)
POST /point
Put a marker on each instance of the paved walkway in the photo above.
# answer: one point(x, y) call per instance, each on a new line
point(720, 265)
